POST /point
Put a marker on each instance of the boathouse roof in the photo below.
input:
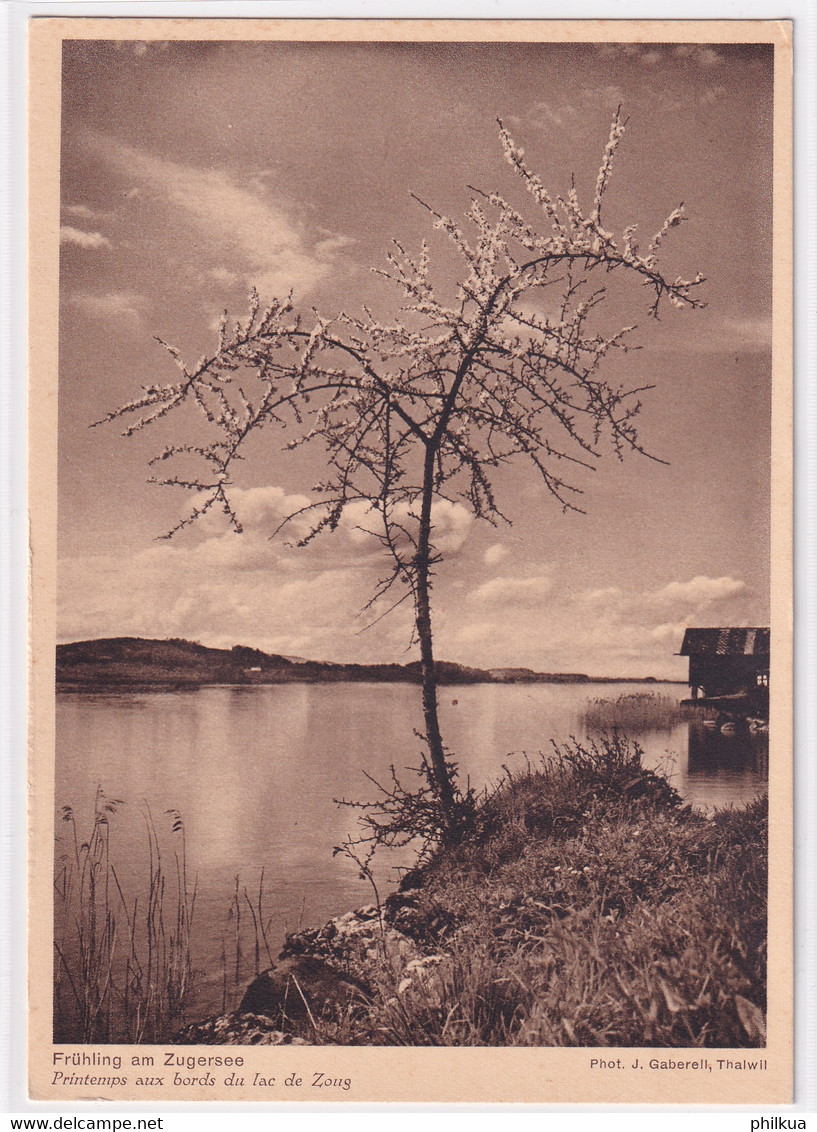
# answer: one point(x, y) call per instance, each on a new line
point(725, 642)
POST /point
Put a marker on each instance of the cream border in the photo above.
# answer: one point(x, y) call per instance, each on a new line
point(537, 1076)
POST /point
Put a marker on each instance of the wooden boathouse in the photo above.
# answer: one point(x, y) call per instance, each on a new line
point(729, 668)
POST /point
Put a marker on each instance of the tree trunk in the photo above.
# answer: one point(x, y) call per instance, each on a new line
point(442, 783)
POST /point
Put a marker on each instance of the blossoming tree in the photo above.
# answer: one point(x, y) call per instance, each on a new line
point(507, 365)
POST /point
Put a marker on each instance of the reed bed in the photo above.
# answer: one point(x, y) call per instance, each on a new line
point(123, 964)
point(634, 712)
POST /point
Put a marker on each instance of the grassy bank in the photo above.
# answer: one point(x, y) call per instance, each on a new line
point(589, 908)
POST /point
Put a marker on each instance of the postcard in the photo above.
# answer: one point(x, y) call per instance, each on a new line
point(411, 568)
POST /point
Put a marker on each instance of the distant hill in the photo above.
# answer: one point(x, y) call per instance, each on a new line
point(528, 676)
point(135, 662)
point(128, 662)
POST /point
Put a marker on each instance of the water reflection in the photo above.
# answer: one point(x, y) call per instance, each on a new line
point(724, 768)
point(713, 752)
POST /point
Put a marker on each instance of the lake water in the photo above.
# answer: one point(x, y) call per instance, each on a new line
point(254, 770)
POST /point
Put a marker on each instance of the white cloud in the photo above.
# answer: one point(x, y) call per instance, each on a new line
point(495, 554)
point(699, 591)
point(513, 591)
point(744, 332)
point(603, 97)
point(90, 240)
point(711, 95)
point(593, 100)
point(452, 524)
point(544, 114)
point(239, 219)
point(327, 248)
point(535, 623)
point(222, 275)
point(83, 212)
point(140, 47)
point(111, 304)
point(709, 57)
point(542, 623)
point(604, 594)
point(228, 589)
point(700, 53)
point(222, 588)
point(263, 508)
point(669, 632)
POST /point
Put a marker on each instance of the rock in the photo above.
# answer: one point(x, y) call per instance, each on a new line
point(234, 1030)
point(301, 988)
point(327, 973)
point(423, 976)
point(355, 944)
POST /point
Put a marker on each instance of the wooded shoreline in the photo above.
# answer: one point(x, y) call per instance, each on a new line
point(138, 664)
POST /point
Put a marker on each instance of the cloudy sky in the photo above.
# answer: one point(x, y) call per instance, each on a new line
point(192, 171)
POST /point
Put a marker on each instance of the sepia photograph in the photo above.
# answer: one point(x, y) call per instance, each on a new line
point(414, 635)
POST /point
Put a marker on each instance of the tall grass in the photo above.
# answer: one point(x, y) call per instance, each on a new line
point(245, 940)
point(123, 965)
